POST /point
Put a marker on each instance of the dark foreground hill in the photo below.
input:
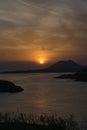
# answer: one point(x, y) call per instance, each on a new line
point(7, 86)
point(78, 76)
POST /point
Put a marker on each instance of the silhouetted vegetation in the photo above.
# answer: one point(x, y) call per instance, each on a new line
point(21, 121)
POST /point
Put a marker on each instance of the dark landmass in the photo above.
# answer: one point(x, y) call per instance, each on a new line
point(7, 86)
point(65, 66)
point(62, 66)
point(78, 76)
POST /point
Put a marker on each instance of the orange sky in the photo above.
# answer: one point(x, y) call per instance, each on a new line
point(50, 30)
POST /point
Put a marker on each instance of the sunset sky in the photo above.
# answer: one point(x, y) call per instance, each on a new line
point(52, 30)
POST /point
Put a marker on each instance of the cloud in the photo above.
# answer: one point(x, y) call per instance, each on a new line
point(49, 26)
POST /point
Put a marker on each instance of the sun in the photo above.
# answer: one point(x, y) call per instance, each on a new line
point(41, 61)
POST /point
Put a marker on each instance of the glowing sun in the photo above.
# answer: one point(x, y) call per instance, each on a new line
point(41, 61)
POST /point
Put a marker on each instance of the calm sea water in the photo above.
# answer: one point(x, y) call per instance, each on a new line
point(44, 94)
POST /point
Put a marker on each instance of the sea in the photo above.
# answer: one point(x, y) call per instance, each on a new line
point(43, 94)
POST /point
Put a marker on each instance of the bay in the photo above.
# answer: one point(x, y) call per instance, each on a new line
point(45, 95)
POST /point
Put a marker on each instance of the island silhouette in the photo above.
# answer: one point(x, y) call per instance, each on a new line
point(7, 86)
point(78, 76)
point(80, 71)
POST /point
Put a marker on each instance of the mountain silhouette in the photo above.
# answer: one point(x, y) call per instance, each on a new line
point(61, 66)
point(65, 66)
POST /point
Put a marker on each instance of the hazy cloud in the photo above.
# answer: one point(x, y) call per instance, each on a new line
point(49, 26)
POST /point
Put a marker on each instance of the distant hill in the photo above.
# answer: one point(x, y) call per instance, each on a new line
point(62, 66)
point(65, 66)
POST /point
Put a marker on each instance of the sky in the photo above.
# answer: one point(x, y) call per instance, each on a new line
point(52, 30)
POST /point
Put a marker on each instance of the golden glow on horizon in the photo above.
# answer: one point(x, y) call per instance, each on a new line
point(41, 58)
point(41, 61)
